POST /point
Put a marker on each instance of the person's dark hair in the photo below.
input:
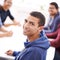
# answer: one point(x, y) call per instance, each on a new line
point(55, 4)
point(40, 16)
point(5, 0)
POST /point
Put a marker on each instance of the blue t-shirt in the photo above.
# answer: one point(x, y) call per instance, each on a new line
point(4, 14)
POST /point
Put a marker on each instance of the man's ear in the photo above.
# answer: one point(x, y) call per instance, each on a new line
point(41, 28)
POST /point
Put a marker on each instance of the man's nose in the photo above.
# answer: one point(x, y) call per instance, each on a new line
point(26, 25)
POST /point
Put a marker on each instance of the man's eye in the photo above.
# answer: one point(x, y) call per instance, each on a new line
point(51, 8)
point(31, 23)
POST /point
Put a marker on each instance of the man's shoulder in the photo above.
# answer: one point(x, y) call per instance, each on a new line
point(33, 49)
point(58, 16)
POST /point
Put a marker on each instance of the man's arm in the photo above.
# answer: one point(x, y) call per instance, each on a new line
point(12, 53)
point(30, 55)
point(16, 23)
point(12, 24)
point(6, 34)
point(2, 29)
point(12, 18)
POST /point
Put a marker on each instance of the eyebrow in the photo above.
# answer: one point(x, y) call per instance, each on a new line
point(25, 19)
point(29, 21)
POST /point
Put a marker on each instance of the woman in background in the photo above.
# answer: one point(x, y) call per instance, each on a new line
point(55, 42)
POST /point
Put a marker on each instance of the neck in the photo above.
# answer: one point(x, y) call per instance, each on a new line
point(33, 37)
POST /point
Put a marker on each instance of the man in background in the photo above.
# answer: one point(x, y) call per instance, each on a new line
point(4, 12)
point(54, 18)
point(53, 29)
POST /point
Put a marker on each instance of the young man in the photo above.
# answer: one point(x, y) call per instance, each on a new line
point(37, 43)
point(54, 18)
point(4, 12)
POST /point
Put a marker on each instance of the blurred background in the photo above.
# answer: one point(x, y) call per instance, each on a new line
point(20, 9)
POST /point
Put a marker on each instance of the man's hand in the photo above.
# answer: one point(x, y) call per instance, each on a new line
point(10, 33)
point(9, 52)
point(6, 34)
point(16, 23)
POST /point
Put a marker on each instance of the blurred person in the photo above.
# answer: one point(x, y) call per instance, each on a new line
point(51, 30)
point(55, 42)
point(4, 12)
point(54, 18)
point(37, 43)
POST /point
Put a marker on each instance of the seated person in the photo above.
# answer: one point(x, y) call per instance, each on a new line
point(37, 43)
point(4, 12)
point(51, 30)
point(54, 18)
point(55, 42)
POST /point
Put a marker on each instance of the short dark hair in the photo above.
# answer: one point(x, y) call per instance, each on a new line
point(40, 16)
point(5, 0)
point(55, 4)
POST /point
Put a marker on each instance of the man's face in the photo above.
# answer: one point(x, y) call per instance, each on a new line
point(8, 3)
point(52, 10)
point(30, 26)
